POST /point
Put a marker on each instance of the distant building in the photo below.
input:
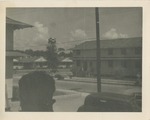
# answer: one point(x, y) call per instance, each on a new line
point(30, 63)
point(66, 63)
point(11, 26)
point(119, 58)
point(16, 63)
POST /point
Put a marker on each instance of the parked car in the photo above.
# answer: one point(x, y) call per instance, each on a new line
point(112, 102)
point(59, 77)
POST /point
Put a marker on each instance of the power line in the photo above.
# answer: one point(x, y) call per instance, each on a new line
point(68, 42)
point(77, 40)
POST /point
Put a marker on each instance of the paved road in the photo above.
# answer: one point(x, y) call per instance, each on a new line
point(92, 87)
point(86, 86)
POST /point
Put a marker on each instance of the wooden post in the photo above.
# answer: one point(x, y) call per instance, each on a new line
point(98, 51)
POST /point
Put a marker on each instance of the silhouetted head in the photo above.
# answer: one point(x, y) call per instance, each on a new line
point(36, 92)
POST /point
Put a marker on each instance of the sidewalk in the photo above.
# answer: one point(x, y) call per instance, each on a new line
point(68, 101)
point(103, 81)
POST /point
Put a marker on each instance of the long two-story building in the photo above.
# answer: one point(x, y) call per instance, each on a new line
point(119, 58)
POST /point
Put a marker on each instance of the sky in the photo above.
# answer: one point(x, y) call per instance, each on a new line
point(72, 26)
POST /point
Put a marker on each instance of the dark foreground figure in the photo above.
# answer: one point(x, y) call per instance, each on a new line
point(36, 92)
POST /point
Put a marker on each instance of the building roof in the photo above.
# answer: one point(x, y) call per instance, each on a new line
point(41, 59)
point(15, 54)
point(114, 43)
point(32, 59)
point(15, 60)
point(67, 60)
point(28, 59)
point(16, 24)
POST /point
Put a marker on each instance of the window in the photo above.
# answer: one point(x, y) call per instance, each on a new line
point(124, 64)
point(78, 52)
point(85, 65)
point(78, 63)
point(91, 64)
point(138, 51)
point(110, 64)
point(123, 51)
point(110, 51)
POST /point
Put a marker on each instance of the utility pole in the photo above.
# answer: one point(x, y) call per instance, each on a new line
point(98, 50)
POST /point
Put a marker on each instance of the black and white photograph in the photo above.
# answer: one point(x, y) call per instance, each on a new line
point(74, 59)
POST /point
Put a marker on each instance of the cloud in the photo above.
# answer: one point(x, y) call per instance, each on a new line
point(35, 38)
point(76, 37)
point(42, 32)
point(113, 34)
point(78, 33)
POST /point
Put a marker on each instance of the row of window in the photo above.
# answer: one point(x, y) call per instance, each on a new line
point(137, 51)
point(110, 64)
point(123, 64)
